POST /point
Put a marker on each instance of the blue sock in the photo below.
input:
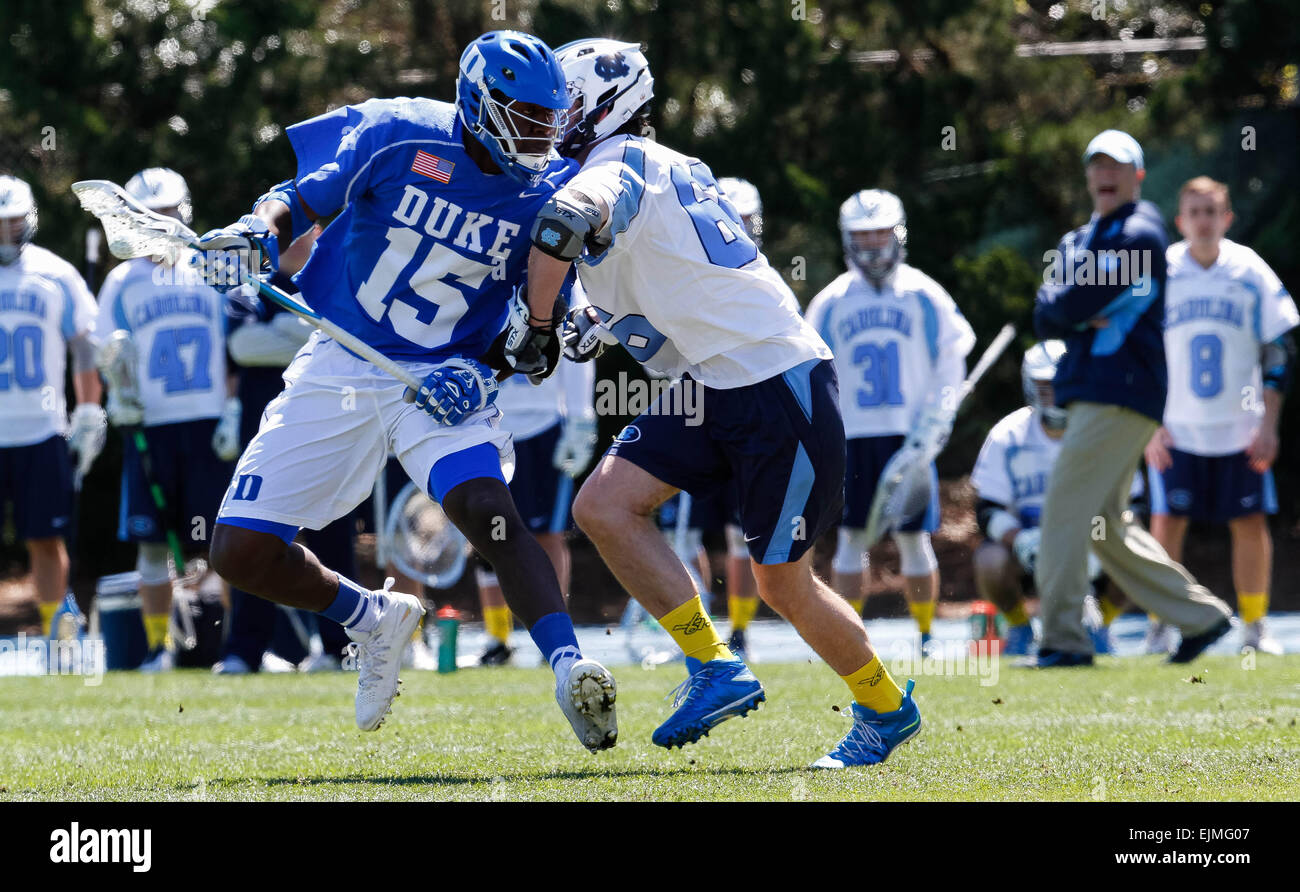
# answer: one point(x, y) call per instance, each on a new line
point(554, 636)
point(354, 607)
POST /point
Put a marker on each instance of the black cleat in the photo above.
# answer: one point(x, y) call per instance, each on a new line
point(736, 644)
point(497, 655)
point(1049, 658)
point(1193, 646)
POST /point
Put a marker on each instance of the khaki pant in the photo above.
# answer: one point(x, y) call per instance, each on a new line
point(1087, 505)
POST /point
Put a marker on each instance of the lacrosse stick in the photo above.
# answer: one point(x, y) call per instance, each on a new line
point(903, 491)
point(422, 542)
point(135, 231)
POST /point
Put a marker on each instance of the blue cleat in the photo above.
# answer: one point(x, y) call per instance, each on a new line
point(1020, 641)
point(718, 690)
point(874, 735)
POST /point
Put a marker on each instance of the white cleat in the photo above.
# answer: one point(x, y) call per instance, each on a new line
point(231, 665)
point(276, 664)
point(1258, 639)
point(163, 661)
point(1159, 639)
point(587, 700)
point(379, 656)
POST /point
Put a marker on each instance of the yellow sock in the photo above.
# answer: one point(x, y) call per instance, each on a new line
point(874, 687)
point(498, 622)
point(155, 630)
point(47, 616)
point(741, 610)
point(1016, 616)
point(694, 633)
point(923, 613)
point(1153, 619)
point(857, 604)
point(1252, 606)
point(1109, 610)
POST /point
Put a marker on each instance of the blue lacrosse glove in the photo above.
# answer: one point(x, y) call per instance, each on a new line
point(227, 256)
point(456, 389)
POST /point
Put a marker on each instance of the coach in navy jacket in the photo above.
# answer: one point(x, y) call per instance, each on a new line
point(1103, 294)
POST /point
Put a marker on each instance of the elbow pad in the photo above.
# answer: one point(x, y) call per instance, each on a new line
point(565, 224)
point(288, 193)
point(1277, 360)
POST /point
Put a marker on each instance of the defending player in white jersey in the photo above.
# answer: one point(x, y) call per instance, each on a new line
point(433, 203)
point(900, 347)
point(1230, 353)
point(673, 277)
point(554, 431)
point(1010, 480)
point(46, 311)
point(171, 381)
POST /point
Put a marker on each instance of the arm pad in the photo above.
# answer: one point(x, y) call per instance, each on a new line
point(288, 193)
point(1277, 361)
point(565, 224)
point(995, 521)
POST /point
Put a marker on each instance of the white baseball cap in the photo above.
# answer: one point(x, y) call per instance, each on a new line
point(1118, 145)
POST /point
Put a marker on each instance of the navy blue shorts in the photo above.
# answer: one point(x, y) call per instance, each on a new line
point(781, 441)
point(867, 457)
point(710, 513)
point(193, 482)
point(1214, 489)
point(38, 480)
point(542, 492)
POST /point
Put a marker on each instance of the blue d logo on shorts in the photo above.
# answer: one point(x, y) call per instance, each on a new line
point(247, 487)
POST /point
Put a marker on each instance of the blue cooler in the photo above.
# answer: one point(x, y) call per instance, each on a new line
point(121, 620)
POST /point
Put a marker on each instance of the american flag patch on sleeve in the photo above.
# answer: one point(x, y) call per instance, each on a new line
point(432, 166)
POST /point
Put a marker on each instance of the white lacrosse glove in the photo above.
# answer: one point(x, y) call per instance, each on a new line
point(124, 408)
point(585, 337)
point(931, 430)
point(577, 443)
point(1025, 545)
point(225, 439)
point(228, 256)
point(87, 434)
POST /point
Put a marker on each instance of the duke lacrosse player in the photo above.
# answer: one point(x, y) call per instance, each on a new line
point(900, 346)
point(45, 312)
point(175, 326)
point(1105, 297)
point(1228, 320)
point(673, 277)
point(1010, 479)
point(434, 201)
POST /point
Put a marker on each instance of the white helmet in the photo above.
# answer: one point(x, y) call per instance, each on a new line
point(868, 210)
point(1039, 366)
point(161, 188)
point(609, 82)
point(16, 201)
point(744, 197)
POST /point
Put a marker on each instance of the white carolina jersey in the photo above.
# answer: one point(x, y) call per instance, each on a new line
point(1216, 320)
point(1015, 463)
point(44, 303)
point(681, 285)
point(178, 326)
point(527, 409)
point(894, 347)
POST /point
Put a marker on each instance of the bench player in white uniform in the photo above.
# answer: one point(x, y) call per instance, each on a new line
point(177, 328)
point(46, 311)
point(433, 204)
point(900, 347)
point(1230, 353)
point(1010, 480)
point(673, 277)
point(553, 426)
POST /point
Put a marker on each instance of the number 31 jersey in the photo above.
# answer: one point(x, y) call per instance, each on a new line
point(888, 345)
point(681, 285)
point(1216, 319)
point(178, 326)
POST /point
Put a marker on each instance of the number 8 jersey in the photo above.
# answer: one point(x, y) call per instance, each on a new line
point(178, 326)
point(1216, 319)
point(893, 347)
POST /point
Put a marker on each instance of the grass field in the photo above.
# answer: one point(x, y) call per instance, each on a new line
point(1131, 729)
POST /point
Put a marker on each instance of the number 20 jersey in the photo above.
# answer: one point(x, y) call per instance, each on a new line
point(1215, 321)
point(681, 285)
point(888, 344)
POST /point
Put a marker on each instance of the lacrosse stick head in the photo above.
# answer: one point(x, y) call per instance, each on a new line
point(422, 541)
point(132, 229)
point(903, 493)
point(118, 360)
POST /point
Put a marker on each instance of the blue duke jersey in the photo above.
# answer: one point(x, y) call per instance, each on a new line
point(178, 326)
point(895, 348)
point(1015, 463)
point(43, 303)
point(680, 284)
point(422, 259)
point(1216, 321)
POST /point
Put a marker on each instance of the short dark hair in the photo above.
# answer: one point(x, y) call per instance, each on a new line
point(638, 124)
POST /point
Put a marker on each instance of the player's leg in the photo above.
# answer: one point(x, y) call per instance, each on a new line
point(849, 567)
point(918, 565)
point(742, 591)
point(1169, 527)
point(1252, 545)
point(49, 563)
point(39, 477)
point(864, 459)
point(999, 579)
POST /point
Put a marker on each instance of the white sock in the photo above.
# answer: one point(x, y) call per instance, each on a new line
point(562, 660)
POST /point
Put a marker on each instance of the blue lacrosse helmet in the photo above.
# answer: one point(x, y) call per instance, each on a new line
point(499, 72)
